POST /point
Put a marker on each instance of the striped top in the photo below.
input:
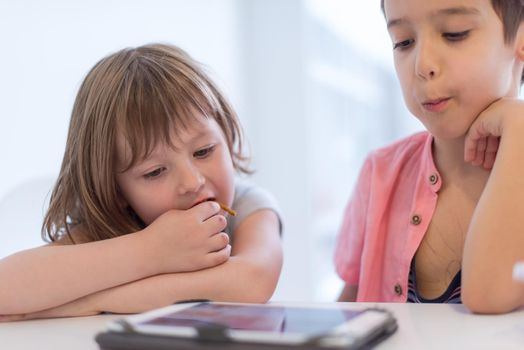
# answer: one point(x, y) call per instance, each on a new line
point(450, 296)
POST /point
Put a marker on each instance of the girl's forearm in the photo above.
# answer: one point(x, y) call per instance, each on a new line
point(250, 274)
point(49, 276)
point(495, 240)
point(236, 280)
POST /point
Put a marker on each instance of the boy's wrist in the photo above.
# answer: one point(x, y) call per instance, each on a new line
point(513, 125)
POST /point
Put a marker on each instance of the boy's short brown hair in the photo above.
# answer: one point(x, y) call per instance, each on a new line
point(510, 12)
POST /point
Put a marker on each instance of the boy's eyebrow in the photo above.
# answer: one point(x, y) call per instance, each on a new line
point(452, 11)
point(461, 10)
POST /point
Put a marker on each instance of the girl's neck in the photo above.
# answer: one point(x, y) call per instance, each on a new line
point(449, 158)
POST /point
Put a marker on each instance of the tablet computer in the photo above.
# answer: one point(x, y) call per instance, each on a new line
point(321, 326)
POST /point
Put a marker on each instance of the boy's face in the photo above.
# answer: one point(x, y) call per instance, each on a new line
point(451, 60)
point(198, 168)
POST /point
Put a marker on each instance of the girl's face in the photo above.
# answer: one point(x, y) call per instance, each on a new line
point(197, 168)
point(451, 60)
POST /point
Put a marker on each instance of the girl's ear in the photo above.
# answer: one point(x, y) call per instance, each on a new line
point(121, 201)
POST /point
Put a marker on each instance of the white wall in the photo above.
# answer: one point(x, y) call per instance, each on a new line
point(273, 42)
point(313, 101)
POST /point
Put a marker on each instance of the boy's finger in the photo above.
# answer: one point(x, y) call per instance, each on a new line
point(479, 152)
point(493, 144)
point(491, 152)
point(470, 151)
point(470, 145)
point(489, 160)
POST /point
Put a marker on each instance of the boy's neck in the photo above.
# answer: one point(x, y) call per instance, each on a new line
point(449, 159)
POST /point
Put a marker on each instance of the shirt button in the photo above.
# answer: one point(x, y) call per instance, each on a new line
point(416, 219)
point(398, 289)
point(433, 179)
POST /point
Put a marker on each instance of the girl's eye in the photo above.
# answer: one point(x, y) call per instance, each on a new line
point(456, 36)
point(204, 152)
point(404, 44)
point(154, 173)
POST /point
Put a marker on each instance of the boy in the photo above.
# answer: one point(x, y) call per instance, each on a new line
point(436, 217)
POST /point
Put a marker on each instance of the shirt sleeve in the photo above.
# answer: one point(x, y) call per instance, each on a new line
point(249, 199)
point(350, 240)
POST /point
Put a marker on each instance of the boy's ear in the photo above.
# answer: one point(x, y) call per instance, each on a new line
point(519, 42)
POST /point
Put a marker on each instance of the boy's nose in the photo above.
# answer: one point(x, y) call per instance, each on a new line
point(190, 179)
point(426, 66)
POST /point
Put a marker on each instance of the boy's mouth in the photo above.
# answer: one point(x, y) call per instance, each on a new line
point(436, 105)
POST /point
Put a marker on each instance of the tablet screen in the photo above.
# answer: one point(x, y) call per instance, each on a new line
point(278, 319)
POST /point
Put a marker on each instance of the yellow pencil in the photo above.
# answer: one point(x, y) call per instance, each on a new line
point(227, 209)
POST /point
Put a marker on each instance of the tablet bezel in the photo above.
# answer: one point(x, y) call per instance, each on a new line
point(342, 335)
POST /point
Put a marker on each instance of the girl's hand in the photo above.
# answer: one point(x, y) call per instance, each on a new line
point(188, 240)
point(80, 307)
point(482, 141)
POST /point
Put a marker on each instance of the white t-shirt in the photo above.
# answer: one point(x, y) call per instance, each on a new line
point(248, 199)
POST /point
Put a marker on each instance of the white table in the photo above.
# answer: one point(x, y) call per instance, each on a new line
point(436, 326)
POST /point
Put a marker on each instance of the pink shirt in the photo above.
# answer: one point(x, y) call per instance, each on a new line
point(385, 220)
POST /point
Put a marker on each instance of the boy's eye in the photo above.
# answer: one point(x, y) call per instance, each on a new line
point(404, 44)
point(154, 173)
point(456, 36)
point(204, 152)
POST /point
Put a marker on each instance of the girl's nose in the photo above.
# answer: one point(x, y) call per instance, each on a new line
point(190, 179)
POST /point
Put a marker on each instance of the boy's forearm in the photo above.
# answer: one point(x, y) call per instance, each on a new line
point(495, 240)
point(45, 277)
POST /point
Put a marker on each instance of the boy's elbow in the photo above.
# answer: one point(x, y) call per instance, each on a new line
point(488, 300)
point(475, 303)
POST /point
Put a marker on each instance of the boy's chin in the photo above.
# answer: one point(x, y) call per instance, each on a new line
point(448, 135)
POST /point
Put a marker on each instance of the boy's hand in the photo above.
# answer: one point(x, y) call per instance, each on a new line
point(187, 240)
point(482, 140)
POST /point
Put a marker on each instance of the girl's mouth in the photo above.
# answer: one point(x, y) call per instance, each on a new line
point(222, 206)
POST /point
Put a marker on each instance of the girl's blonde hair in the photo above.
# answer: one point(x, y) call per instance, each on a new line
point(142, 94)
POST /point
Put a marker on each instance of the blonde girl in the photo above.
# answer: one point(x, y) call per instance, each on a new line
point(136, 218)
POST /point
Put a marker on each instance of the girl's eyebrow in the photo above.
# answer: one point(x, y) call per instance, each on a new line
point(201, 133)
point(451, 11)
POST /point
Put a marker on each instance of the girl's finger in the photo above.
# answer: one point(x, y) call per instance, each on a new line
point(218, 242)
point(12, 318)
point(216, 224)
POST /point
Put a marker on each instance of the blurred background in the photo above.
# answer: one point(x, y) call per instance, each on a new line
point(312, 81)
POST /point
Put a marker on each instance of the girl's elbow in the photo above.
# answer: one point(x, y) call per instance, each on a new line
point(11, 304)
point(265, 280)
